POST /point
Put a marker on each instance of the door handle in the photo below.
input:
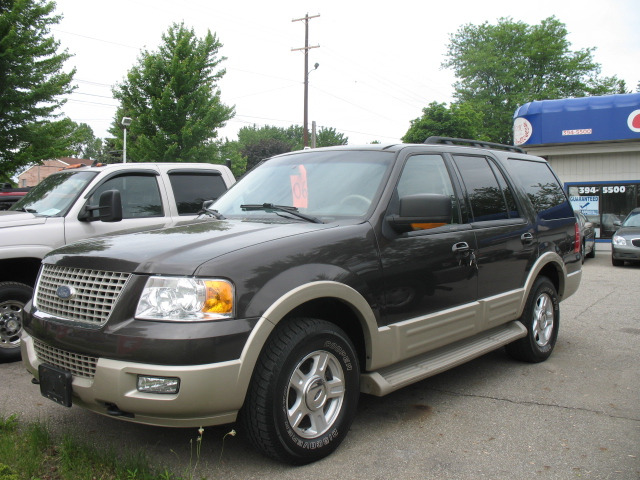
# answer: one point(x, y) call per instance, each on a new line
point(465, 254)
point(526, 238)
point(460, 247)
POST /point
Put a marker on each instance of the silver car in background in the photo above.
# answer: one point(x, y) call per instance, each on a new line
point(625, 244)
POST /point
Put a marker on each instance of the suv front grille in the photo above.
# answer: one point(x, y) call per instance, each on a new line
point(79, 365)
point(92, 293)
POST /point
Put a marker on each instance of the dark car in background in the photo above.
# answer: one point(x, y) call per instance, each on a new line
point(625, 244)
point(588, 236)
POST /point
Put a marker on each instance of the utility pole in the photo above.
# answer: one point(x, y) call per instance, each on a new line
point(306, 48)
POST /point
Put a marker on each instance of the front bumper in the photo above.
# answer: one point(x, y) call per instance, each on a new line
point(620, 252)
point(209, 394)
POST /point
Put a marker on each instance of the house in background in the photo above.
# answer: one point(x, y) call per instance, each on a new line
point(34, 175)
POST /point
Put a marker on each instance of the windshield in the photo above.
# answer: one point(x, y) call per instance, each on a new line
point(55, 194)
point(633, 220)
point(325, 185)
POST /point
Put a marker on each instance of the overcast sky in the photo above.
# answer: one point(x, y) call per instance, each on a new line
point(379, 61)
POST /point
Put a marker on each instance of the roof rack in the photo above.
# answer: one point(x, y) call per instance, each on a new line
point(472, 143)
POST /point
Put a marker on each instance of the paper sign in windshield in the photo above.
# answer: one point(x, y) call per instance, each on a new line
point(299, 190)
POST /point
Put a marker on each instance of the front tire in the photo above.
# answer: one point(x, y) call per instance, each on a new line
point(541, 317)
point(304, 392)
point(13, 297)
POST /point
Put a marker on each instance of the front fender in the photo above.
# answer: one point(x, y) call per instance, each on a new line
point(280, 308)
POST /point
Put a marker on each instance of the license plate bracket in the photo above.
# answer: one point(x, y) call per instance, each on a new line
point(55, 384)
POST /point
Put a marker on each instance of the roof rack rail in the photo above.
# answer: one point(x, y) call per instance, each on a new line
point(472, 143)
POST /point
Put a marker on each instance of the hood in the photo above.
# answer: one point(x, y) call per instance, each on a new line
point(177, 250)
point(10, 218)
point(628, 232)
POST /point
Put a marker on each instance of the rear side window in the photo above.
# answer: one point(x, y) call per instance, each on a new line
point(542, 188)
point(489, 194)
point(192, 188)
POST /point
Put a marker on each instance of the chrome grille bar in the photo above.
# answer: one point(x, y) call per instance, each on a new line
point(92, 293)
point(79, 365)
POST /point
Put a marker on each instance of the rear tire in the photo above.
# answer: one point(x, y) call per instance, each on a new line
point(541, 317)
point(13, 297)
point(304, 392)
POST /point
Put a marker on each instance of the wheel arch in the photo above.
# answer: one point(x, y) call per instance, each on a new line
point(334, 302)
point(22, 270)
point(549, 265)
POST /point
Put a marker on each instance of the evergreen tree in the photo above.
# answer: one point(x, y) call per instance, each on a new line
point(32, 84)
point(172, 97)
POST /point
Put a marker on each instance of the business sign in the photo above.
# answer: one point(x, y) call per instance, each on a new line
point(586, 205)
point(572, 120)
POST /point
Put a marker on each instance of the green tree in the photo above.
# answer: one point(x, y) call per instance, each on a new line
point(328, 137)
point(460, 120)
point(174, 101)
point(32, 84)
point(85, 144)
point(500, 67)
point(257, 143)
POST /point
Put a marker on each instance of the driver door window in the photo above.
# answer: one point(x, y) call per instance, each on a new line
point(428, 174)
point(139, 193)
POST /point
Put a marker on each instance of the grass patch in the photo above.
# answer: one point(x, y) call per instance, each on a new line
point(30, 452)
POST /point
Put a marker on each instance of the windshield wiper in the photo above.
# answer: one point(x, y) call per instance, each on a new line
point(282, 208)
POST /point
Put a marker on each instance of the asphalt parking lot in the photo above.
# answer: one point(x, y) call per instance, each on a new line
point(577, 415)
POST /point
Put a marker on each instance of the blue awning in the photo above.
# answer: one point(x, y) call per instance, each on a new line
point(571, 120)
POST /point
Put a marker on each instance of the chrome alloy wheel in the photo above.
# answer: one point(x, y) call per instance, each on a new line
point(543, 319)
point(315, 394)
point(10, 323)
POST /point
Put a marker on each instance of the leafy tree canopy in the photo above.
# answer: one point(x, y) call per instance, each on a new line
point(85, 144)
point(500, 67)
point(460, 120)
point(257, 143)
point(32, 84)
point(173, 99)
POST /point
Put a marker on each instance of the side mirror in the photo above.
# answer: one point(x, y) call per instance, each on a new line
point(109, 208)
point(425, 210)
point(617, 223)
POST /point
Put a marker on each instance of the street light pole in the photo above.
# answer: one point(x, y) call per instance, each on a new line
point(126, 121)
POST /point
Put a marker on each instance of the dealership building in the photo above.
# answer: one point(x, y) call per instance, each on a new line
point(593, 144)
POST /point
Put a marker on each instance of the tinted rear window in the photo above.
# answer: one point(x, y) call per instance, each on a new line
point(191, 189)
point(542, 188)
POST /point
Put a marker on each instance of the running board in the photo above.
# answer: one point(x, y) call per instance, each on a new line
point(393, 377)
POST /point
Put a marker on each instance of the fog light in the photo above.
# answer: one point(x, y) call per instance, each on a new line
point(167, 385)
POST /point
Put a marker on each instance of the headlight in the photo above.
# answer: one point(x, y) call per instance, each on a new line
point(618, 240)
point(185, 299)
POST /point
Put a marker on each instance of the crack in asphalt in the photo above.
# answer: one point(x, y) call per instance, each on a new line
point(539, 404)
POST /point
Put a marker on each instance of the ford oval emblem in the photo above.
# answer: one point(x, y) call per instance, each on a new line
point(65, 293)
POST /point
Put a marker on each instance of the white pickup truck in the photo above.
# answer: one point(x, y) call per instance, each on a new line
point(83, 202)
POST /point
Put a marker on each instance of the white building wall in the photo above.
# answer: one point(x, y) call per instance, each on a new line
point(599, 167)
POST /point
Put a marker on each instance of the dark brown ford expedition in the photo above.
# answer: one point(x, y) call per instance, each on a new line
point(320, 275)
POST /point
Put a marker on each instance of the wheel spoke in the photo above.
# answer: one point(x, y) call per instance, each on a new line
point(297, 412)
point(318, 422)
point(335, 388)
point(298, 380)
point(320, 364)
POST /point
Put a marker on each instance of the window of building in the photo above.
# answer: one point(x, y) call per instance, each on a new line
point(604, 203)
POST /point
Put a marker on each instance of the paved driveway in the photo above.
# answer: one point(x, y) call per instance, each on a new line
point(575, 416)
